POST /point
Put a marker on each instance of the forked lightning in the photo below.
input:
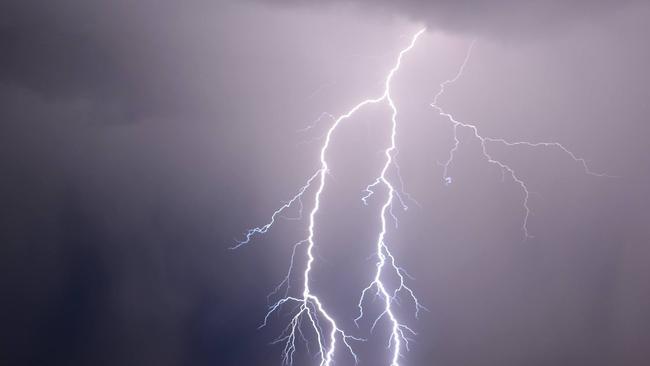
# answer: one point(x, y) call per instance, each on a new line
point(310, 321)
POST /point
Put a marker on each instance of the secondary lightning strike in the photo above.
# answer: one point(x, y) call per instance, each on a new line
point(505, 168)
point(310, 306)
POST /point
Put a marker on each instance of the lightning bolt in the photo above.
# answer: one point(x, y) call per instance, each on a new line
point(309, 313)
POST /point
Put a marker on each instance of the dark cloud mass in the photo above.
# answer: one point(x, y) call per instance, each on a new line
point(120, 52)
point(139, 139)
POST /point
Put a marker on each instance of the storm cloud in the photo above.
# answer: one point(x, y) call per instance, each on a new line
point(124, 56)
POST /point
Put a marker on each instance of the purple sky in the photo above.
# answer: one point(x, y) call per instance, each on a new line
point(139, 141)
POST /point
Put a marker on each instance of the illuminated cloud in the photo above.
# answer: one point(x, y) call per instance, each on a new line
point(501, 18)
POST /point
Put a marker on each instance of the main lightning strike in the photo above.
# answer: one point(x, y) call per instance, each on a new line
point(310, 306)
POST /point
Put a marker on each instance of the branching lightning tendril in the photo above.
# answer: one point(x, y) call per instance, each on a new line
point(505, 168)
point(310, 315)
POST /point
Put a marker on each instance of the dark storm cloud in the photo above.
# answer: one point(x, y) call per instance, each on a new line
point(57, 53)
point(502, 18)
point(120, 56)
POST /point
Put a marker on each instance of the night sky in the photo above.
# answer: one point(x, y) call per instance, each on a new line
point(140, 140)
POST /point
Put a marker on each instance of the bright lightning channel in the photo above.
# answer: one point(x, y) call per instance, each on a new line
point(309, 307)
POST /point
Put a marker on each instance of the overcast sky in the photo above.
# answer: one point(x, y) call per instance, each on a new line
point(140, 140)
